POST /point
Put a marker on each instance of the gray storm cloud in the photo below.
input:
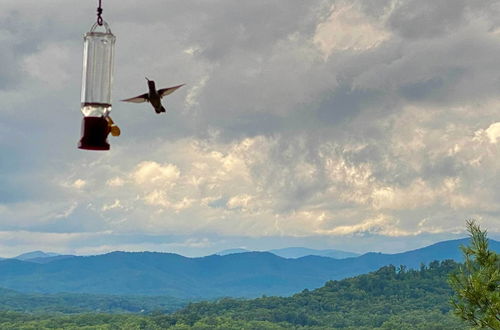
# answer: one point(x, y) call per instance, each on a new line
point(319, 118)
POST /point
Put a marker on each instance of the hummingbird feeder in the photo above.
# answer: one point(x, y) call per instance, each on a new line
point(97, 78)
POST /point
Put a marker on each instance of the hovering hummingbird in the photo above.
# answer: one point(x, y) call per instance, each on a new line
point(154, 96)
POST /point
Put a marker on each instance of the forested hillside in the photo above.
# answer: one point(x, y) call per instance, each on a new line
point(390, 298)
point(72, 303)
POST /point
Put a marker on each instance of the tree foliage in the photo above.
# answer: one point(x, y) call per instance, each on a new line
point(390, 298)
point(72, 303)
point(477, 284)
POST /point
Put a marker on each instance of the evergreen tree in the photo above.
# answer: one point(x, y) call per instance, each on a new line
point(477, 284)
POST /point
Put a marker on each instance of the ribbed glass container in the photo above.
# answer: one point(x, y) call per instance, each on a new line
point(97, 77)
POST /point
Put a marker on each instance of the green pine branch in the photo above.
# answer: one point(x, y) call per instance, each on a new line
point(477, 283)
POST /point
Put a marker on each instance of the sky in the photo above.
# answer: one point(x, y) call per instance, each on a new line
point(359, 125)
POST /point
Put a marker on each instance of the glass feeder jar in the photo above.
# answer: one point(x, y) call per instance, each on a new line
point(97, 78)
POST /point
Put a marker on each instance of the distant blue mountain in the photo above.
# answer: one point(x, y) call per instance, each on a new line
point(297, 252)
point(41, 257)
point(248, 274)
point(46, 260)
point(413, 259)
point(232, 251)
point(35, 254)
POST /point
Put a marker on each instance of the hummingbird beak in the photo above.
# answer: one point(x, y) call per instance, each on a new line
point(147, 78)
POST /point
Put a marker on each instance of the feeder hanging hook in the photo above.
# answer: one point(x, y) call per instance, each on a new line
point(99, 13)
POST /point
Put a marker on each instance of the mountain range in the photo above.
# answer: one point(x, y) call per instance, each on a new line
point(41, 257)
point(290, 252)
point(298, 252)
point(249, 274)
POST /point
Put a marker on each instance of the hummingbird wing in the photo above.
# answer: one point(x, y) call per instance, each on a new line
point(138, 99)
point(166, 91)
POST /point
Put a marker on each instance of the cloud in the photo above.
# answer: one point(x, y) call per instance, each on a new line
point(148, 172)
point(303, 119)
point(347, 28)
point(49, 65)
point(115, 205)
point(115, 182)
point(381, 224)
point(79, 183)
point(420, 195)
point(291, 182)
point(493, 132)
point(239, 201)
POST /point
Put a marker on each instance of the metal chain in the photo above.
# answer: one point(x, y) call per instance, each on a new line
point(99, 13)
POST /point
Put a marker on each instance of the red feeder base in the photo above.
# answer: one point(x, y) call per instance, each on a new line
point(95, 132)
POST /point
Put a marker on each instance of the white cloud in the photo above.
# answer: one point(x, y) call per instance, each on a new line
point(493, 132)
point(153, 173)
point(192, 96)
point(79, 184)
point(380, 224)
point(115, 182)
point(348, 28)
point(115, 205)
point(24, 215)
point(50, 65)
point(239, 201)
point(419, 195)
point(66, 213)
point(281, 184)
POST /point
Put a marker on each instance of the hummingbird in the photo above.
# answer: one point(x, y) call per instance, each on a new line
point(154, 96)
